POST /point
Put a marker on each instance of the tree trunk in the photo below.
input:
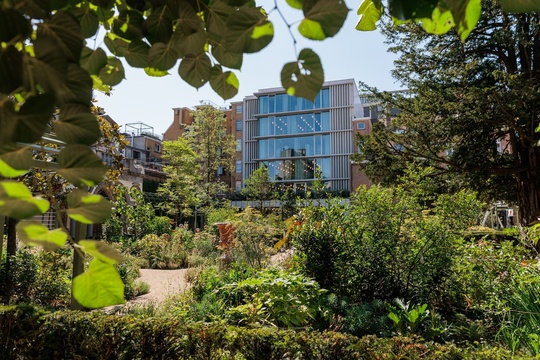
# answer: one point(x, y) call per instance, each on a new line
point(528, 189)
point(11, 251)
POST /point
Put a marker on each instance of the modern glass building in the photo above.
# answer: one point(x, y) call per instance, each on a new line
point(294, 137)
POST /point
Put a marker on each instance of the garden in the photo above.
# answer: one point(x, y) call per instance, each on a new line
point(390, 273)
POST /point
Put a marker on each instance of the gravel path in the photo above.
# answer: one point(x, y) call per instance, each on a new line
point(162, 284)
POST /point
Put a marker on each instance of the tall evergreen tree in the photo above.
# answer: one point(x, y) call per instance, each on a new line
point(472, 109)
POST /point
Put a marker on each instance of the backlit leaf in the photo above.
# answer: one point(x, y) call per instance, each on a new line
point(88, 19)
point(158, 25)
point(16, 201)
point(136, 54)
point(33, 118)
point(113, 73)
point(11, 70)
point(77, 125)
point(297, 4)
point(101, 250)
point(466, 14)
point(14, 161)
point(162, 56)
point(224, 83)
point(407, 9)
point(440, 22)
point(99, 286)
point(12, 24)
point(189, 44)
point(195, 70)
point(155, 72)
point(228, 59)
point(303, 78)
point(64, 29)
point(34, 233)
point(241, 29)
point(128, 25)
point(115, 44)
point(330, 14)
point(370, 12)
point(93, 60)
point(80, 166)
point(311, 29)
point(87, 208)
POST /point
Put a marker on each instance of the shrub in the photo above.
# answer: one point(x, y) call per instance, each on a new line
point(162, 252)
point(129, 273)
point(159, 225)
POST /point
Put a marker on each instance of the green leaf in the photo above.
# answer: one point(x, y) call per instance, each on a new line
point(249, 31)
point(87, 208)
point(16, 201)
point(49, 66)
point(224, 83)
point(99, 286)
point(63, 28)
point(33, 118)
point(407, 9)
point(101, 251)
point(98, 85)
point(80, 166)
point(78, 86)
point(88, 19)
point(34, 233)
point(440, 23)
point(8, 122)
point(136, 54)
point(113, 73)
point(466, 14)
point(195, 70)
point(370, 12)
point(93, 60)
point(226, 58)
point(303, 78)
point(329, 14)
point(162, 56)
point(11, 69)
point(191, 43)
point(77, 125)
point(159, 25)
point(13, 24)
point(296, 4)
point(155, 72)
point(115, 44)
point(520, 6)
point(128, 25)
point(14, 161)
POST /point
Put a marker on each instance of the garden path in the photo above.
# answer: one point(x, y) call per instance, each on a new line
point(162, 284)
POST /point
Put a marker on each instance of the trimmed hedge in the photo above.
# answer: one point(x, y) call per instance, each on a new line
point(30, 333)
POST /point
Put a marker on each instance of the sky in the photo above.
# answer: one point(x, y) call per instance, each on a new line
point(361, 56)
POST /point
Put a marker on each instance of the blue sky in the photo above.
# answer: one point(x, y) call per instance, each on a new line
point(362, 56)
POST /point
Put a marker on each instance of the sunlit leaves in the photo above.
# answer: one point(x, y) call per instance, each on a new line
point(466, 14)
point(297, 4)
point(370, 12)
point(80, 166)
point(224, 83)
point(115, 44)
point(195, 70)
point(323, 19)
point(88, 208)
point(128, 25)
point(34, 233)
point(303, 77)
point(407, 9)
point(440, 23)
point(77, 125)
point(99, 286)
point(16, 201)
point(14, 161)
point(101, 250)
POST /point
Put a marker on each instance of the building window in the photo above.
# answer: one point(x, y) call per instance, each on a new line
point(238, 167)
point(239, 109)
point(238, 125)
point(136, 154)
point(157, 148)
point(238, 144)
point(360, 126)
point(221, 170)
point(238, 185)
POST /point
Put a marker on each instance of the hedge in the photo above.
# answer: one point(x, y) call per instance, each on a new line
point(31, 333)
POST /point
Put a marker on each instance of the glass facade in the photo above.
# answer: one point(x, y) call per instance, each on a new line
point(298, 169)
point(270, 104)
point(294, 146)
point(294, 124)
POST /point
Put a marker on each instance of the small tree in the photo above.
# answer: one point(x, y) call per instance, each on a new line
point(258, 187)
